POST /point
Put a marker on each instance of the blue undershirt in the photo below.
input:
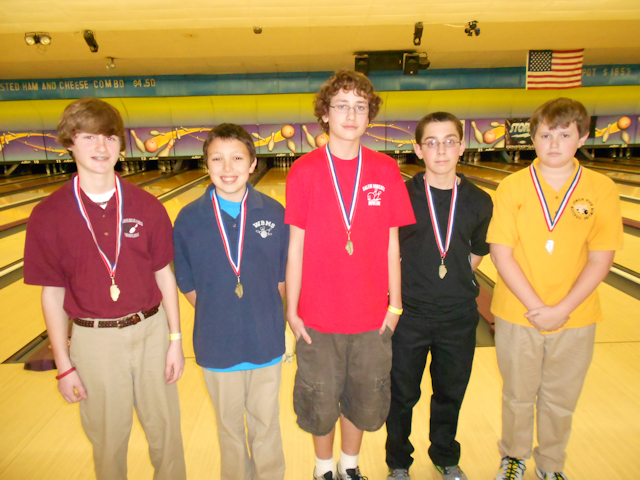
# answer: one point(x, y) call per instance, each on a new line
point(233, 210)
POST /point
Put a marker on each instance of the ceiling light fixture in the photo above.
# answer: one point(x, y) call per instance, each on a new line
point(90, 38)
point(417, 33)
point(37, 38)
point(111, 64)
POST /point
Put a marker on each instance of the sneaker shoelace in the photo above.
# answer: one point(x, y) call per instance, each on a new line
point(513, 465)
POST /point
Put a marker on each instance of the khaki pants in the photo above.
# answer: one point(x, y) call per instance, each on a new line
point(545, 370)
point(254, 393)
point(123, 369)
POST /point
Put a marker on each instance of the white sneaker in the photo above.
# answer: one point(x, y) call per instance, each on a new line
point(511, 469)
point(550, 475)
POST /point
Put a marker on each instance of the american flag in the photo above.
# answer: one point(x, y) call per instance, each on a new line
point(550, 69)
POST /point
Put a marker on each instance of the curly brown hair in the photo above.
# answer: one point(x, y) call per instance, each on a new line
point(346, 80)
point(90, 115)
point(561, 112)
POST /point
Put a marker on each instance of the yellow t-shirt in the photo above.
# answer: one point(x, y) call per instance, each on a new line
point(591, 221)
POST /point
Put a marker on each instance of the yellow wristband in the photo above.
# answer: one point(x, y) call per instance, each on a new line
point(175, 336)
point(397, 311)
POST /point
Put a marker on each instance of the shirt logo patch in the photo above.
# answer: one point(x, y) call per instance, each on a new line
point(264, 227)
point(374, 193)
point(582, 208)
point(131, 227)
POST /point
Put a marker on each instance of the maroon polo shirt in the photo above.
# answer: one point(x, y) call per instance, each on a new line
point(60, 251)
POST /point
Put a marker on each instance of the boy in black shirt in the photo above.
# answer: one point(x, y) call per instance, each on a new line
point(439, 255)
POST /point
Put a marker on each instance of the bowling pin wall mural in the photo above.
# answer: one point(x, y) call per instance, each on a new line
point(486, 134)
point(294, 139)
point(614, 130)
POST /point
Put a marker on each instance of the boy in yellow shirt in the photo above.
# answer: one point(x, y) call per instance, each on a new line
point(553, 236)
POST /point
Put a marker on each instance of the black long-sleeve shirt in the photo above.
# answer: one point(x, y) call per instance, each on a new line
point(424, 293)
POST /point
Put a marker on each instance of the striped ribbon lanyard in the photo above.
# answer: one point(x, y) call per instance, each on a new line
point(225, 238)
point(114, 291)
point(347, 218)
point(552, 222)
point(443, 247)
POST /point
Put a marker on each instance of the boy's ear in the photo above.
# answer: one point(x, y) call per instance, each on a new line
point(254, 164)
point(583, 139)
point(462, 147)
point(417, 149)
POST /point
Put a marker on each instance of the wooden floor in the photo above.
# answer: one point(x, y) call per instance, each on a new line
point(41, 436)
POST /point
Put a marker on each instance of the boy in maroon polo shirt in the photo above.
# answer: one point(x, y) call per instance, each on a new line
point(101, 249)
point(344, 205)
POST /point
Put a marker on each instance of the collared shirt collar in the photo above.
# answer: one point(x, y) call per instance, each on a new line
point(254, 200)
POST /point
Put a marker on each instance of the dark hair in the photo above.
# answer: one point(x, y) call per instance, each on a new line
point(90, 115)
point(230, 131)
point(346, 80)
point(561, 112)
point(438, 117)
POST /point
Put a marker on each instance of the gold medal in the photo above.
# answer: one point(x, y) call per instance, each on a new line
point(442, 270)
point(239, 289)
point(114, 291)
point(349, 247)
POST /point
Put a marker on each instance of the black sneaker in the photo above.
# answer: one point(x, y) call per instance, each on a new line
point(352, 474)
point(326, 476)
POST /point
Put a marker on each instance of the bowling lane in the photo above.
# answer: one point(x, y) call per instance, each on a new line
point(625, 189)
point(22, 316)
point(274, 184)
point(36, 182)
point(21, 178)
point(23, 211)
point(163, 186)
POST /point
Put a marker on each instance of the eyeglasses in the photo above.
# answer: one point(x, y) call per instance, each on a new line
point(344, 108)
point(448, 143)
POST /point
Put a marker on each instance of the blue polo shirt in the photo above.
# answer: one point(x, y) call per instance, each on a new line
point(229, 330)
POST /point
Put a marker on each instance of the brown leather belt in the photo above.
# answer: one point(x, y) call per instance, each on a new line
point(119, 323)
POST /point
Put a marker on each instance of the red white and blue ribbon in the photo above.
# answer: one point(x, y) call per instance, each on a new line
point(443, 247)
point(111, 267)
point(347, 217)
point(225, 238)
point(552, 222)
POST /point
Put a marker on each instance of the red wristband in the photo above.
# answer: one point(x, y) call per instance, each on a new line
point(62, 375)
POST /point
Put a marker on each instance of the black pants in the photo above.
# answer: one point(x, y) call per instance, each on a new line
point(452, 346)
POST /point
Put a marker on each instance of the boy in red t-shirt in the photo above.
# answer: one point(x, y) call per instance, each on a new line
point(344, 205)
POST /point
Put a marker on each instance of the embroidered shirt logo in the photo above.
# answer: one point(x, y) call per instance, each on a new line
point(131, 227)
point(264, 227)
point(374, 193)
point(582, 208)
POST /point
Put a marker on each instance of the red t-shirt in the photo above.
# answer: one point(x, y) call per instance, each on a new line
point(60, 251)
point(344, 293)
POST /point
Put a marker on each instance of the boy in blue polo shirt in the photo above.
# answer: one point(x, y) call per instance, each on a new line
point(230, 259)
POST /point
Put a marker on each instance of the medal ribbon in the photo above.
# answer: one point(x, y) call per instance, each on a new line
point(551, 223)
point(225, 239)
point(346, 218)
point(434, 217)
point(76, 191)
